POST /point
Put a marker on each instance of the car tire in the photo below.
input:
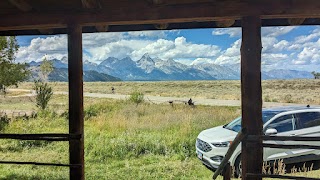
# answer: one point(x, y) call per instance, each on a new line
point(237, 167)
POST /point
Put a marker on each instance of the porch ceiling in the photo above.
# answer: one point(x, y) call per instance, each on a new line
point(26, 17)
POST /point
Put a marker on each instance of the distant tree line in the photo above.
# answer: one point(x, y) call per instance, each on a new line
point(316, 75)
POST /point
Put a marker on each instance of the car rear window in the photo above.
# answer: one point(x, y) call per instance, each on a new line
point(308, 119)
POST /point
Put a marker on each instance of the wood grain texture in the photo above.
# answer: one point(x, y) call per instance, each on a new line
point(251, 95)
point(76, 122)
point(21, 5)
point(127, 12)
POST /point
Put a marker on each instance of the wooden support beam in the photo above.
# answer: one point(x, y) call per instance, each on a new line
point(39, 163)
point(295, 21)
point(46, 31)
point(139, 12)
point(76, 122)
point(161, 26)
point(91, 4)
point(94, 4)
point(21, 5)
point(177, 2)
point(226, 23)
point(102, 28)
point(251, 95)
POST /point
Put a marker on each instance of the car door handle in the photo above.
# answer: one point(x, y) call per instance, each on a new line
point(292, 134)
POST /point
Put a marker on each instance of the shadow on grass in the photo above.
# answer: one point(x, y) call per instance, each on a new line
point(20, 177)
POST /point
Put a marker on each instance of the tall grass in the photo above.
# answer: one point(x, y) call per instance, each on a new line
point(122, 141)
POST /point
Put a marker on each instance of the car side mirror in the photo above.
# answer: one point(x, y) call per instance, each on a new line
point(271, 131)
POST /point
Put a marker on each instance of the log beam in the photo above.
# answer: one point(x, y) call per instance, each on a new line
point(161, 26)
point(177, 2)
point(94, 4)
point(91, 4)
point(137, 12)
point(102, 28)
point(296, 21)
point(251, 95)
point(46, 31)
point(21, 5)
point(76, 122)
point(226, 23)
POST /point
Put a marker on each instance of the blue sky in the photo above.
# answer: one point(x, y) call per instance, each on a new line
point(283, 47)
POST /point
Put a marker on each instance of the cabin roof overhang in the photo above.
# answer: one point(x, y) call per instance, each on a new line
point(36, 17)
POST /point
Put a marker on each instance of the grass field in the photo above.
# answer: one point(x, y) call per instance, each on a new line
point(287, 91)
point(126, 141)
point(122, 141)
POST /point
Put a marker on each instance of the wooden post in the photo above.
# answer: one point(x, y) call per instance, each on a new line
point(251, 92)
point(76, 147)
point(227, 172)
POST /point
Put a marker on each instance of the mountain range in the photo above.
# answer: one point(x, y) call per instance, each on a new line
point(155, 69)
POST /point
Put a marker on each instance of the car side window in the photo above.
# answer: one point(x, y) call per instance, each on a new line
point(283, 123)
point(308, 119)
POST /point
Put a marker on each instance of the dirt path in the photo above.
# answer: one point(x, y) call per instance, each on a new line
point(161, 99)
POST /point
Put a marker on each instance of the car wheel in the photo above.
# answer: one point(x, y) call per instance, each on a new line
point(237, 167)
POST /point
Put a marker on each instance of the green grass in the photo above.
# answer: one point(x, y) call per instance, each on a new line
point(122, 141)
point(128, 141)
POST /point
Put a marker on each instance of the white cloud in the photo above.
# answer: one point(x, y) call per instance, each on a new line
point(232, 32)
point(100, 46)
point(276, 31)
point(143, 34)
point(265, 31)
point(302, 51)
point(315, 34)
point(52, 46)
point(201, 61)
point(177, 49)
point(119, 49)
point(231, 55)
point(91, 40)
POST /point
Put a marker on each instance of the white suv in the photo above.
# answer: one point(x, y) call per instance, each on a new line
point(212, 144)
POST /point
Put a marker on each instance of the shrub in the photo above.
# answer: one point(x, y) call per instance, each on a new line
point(47, 114)
point(91, 111)
point(267, 98)
point(136, 97)
point(288, 98)
point(4, 121)
point(43, 94)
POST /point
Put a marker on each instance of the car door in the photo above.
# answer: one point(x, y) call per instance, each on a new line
point(284, 125)
point(308, 124)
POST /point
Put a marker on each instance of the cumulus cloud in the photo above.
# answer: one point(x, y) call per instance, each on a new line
point(277, 52)
point(177, 49)
point(52, 46)
point(147, 34)
point(232, 32)
point(265, 31)
point(276, 31)
point(230, 55)
point(91, 40)
point(100, 46)
point(201, 61)
point(315, 34)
